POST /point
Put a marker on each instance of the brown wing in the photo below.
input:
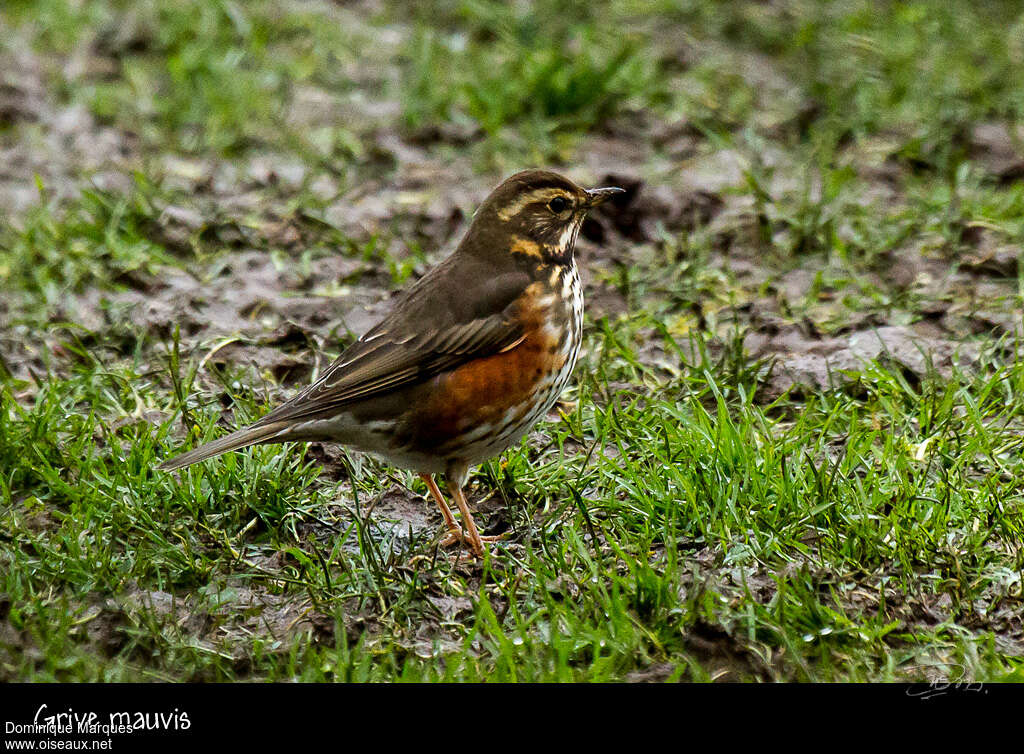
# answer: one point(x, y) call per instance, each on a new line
point(437, 327)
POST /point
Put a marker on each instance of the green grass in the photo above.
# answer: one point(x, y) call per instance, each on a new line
point(54, 253)
point(524, 75)
point(196, 76)
point(904, 494)
point(679, 521)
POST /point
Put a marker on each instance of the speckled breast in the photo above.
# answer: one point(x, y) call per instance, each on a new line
point(483, 407)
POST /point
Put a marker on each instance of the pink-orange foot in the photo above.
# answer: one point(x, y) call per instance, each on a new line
point(457, 536)
point(470, 537)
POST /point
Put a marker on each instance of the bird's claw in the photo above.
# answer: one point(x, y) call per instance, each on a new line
point(459, 537)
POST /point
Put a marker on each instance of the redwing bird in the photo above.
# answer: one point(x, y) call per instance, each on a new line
point(472, 355)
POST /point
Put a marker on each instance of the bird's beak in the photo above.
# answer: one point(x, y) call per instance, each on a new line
point(597, 196)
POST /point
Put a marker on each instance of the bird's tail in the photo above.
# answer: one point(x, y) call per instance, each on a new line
point(242, 438)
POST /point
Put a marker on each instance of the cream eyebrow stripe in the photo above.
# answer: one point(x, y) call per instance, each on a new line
point(537, 195)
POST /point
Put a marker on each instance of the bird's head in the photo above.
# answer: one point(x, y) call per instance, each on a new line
point(535, 214)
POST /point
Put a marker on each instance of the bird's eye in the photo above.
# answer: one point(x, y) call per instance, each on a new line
point(558, 204)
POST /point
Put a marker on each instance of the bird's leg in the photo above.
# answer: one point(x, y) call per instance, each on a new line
point(455, 533)
point(449, 519)
point(467, 518)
